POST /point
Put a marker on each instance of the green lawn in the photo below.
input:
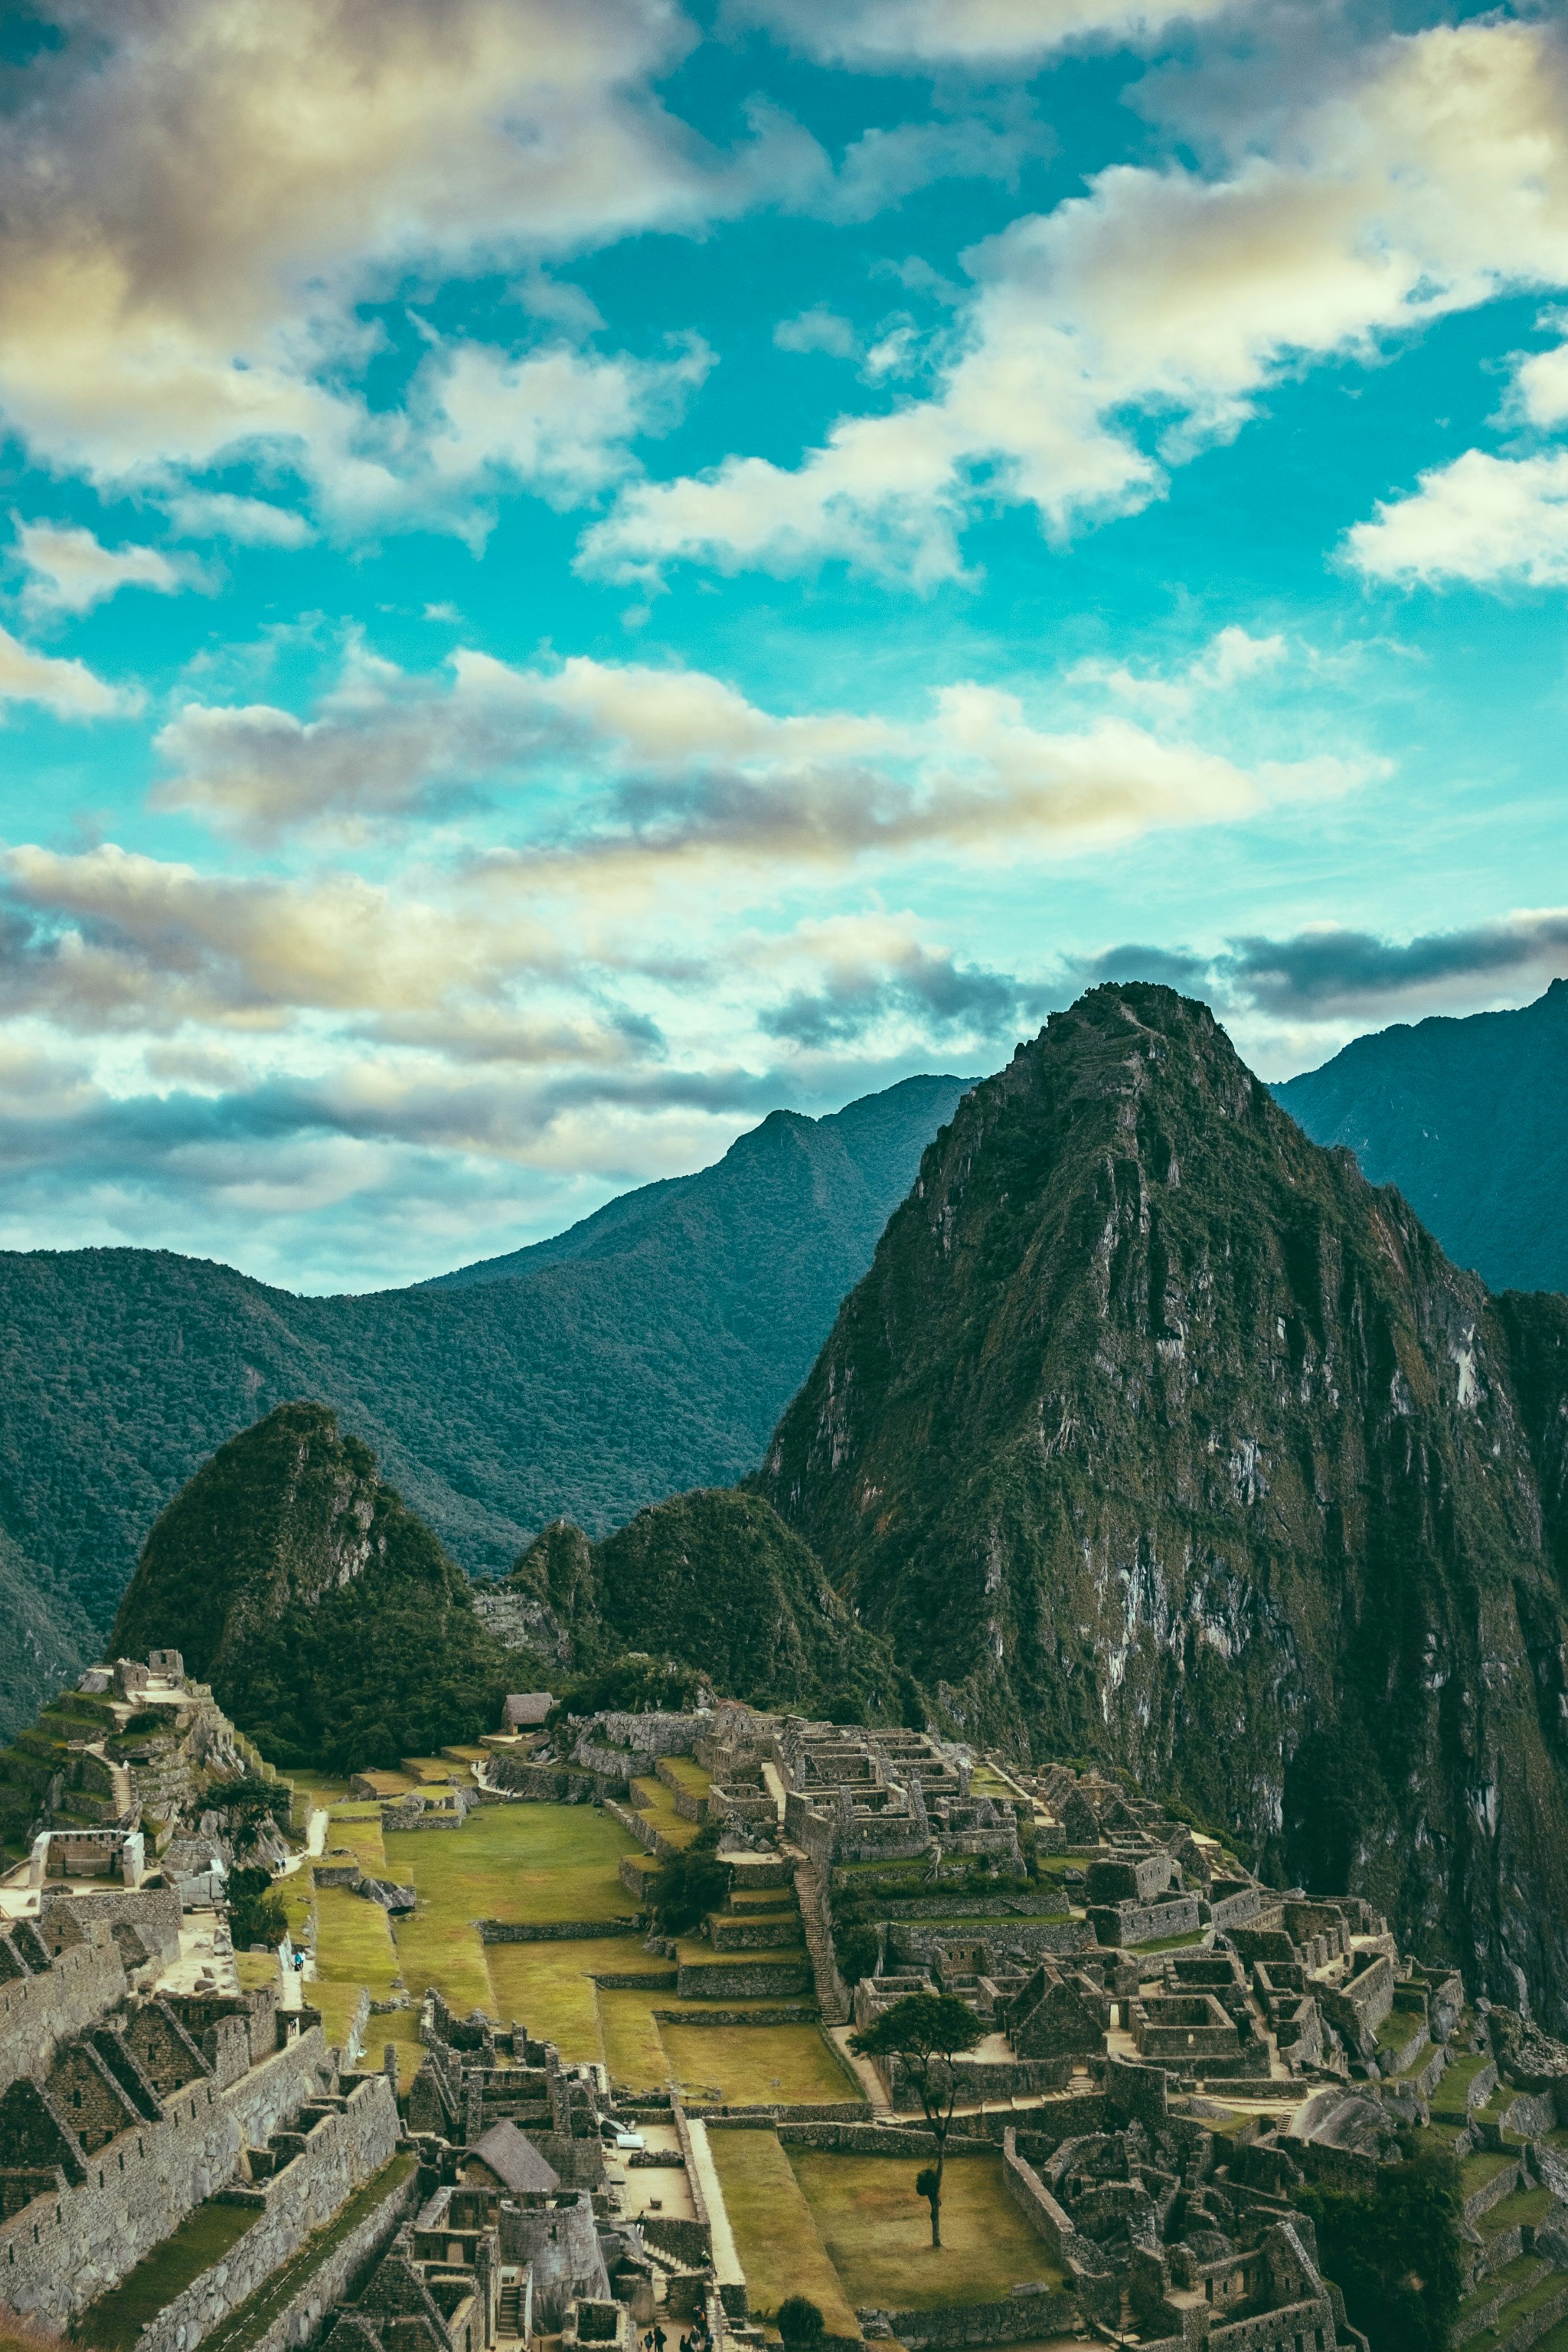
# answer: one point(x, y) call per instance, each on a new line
point(759, 2066)
point(400, 2027)
point(356, 1828)
point(1526, 2206)
point(652, 1797)
point(877, 2232)
point(518, 1862)
point(531, 1861)
point(1450, 2096)
point(204, 2238)
point(1483, 2166)
point(1522, 2307)
point(776, 2238)
point(434, 1950)
point(694, 1777)
point(339, 2005)
point(549, 1989)
point(634, 2049)
point(354, 1941)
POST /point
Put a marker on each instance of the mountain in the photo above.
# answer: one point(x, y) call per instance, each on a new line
point(1156, 1433)
point(45, 1640)
point(715, 1578)
point(1469, 1118)
point(328, 1620)
point(649, 1349)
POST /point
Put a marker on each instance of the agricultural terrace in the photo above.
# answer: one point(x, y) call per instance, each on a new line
point(549, 1865)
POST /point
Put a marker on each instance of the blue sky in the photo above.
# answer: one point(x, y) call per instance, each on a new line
point(574, 570)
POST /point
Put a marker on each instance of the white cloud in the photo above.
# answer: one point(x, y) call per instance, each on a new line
point(253, 522)
point(71, 571)
point(970, 32)
point(1228, 660)
point(677, 765)
point(816, 330)
point(1120, 333)
point(147, 941)
point(559, 420)
point(69, 688)
point(1482, 519)
point(1541, 387)
point(197, 193)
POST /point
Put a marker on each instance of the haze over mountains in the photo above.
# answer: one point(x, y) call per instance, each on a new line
point(647, 1350)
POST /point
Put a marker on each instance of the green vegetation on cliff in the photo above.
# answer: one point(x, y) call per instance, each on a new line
point(1155, 1433)
point(329, 1622)
point(717, 1580)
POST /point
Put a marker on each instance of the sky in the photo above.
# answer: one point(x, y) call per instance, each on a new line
point(575, 571)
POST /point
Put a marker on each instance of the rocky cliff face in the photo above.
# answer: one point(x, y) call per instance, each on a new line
point(1156, 1433)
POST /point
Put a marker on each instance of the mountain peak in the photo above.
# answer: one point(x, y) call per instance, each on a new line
point(1154, 1433)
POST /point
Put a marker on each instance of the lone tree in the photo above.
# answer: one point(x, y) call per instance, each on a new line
point(926, 2029)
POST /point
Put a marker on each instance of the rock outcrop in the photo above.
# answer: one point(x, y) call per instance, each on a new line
point(326, 1617)
point(1156, 1433)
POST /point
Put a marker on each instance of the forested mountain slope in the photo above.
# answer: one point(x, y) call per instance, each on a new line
point(1469, 1118)
point(648, 1351)
point(1155, 1432)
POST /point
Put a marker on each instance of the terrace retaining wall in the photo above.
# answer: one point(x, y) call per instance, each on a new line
point(340, 2153)
point(336, 2278)
point(66, 2248)
point(554, 1931)
point(1028, 2313)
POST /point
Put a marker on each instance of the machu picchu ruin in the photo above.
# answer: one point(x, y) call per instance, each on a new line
point(481, 2092)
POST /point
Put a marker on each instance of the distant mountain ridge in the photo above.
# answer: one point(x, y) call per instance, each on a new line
point(648, 1351)
point(1469, 1118)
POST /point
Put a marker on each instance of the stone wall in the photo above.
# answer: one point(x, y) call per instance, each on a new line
point(339, 2154)
point(1096, 2285)
point(1146, 1923)
point(153, 1911)
point(300, 2320)
point(655, 1734)
point(551, 1931)
point(742, 1980)
point(61, 2250)
point(915, 1941)
point(39, 2012)
point(642, 1827)
point(1028, 2313)
point(548, 1784)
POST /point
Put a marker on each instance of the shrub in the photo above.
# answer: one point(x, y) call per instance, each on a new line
point(692, 1885)
point(255, 1915)
point(800, 2321)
